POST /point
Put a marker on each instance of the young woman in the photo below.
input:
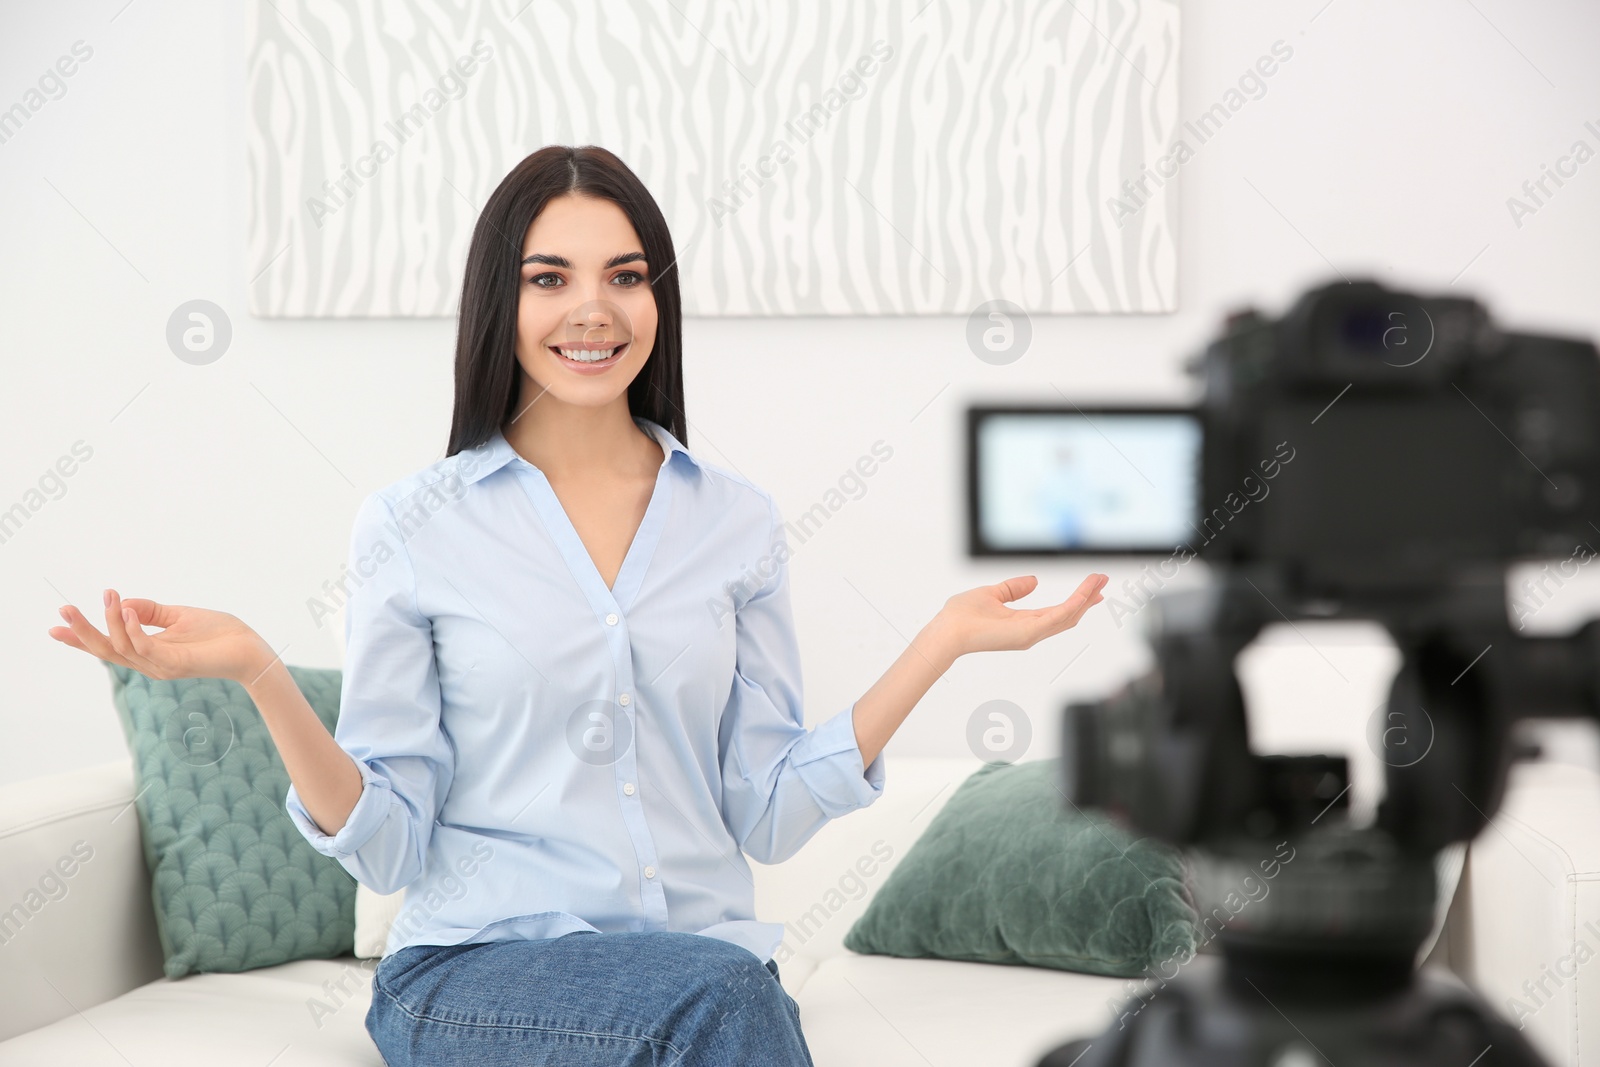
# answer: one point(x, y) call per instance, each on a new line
point(571, 696)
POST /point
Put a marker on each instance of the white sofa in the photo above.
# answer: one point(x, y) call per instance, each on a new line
point(81, 981)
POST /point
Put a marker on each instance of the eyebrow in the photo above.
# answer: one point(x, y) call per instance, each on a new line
point(563, 261)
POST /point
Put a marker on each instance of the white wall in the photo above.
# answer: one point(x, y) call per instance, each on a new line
point(1387, 145)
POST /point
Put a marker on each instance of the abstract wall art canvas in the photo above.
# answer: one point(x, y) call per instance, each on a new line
point(834, 157)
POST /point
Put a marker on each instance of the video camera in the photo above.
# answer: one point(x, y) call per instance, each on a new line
point(1414, 451)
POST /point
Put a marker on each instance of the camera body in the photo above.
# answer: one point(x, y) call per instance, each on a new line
point(1416, 440)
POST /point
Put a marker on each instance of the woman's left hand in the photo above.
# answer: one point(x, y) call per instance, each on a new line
point(979, 621)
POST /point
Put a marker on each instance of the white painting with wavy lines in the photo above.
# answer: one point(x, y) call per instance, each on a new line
point(835, 157)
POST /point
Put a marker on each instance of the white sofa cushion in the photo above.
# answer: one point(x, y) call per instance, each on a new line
point(1534, 883)
point(856, 1011)
point(891, 1012)
point(308, 1013)
point(375, 913)
point(825, 887)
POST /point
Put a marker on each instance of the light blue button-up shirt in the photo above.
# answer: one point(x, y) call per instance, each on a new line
point(541, 754)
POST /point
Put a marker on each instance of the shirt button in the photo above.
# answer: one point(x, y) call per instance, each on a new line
point(627, 787)
point(649, 872)
point(611, 620)
point(623, 699)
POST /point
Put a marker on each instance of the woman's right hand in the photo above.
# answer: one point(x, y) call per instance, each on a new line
point(192, 642)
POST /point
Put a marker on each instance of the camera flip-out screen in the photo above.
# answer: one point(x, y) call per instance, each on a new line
point(1102, 480)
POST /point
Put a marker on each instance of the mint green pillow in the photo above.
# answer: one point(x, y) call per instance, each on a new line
point(234, 884)
point(1008, 872)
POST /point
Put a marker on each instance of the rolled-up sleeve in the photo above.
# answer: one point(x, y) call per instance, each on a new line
point(389, 709)
point(780, 782)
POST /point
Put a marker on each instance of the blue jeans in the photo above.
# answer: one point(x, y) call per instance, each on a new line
point(585, 999)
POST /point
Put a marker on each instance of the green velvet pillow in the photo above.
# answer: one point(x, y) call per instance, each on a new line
point(234, 884)
point(1008, 872)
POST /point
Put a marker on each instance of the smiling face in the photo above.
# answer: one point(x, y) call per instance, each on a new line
point(585, 291)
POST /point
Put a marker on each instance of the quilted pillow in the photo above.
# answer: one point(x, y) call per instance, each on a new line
point(235, 885)
point(1007, 872)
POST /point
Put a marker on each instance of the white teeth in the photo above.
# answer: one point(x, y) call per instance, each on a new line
point(580, 355)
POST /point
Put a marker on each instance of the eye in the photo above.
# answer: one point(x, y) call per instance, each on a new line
point(538, 283)
point(636, 276)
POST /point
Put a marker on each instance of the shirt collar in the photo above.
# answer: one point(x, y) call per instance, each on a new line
point(496, 452)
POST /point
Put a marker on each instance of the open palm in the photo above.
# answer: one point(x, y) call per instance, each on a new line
point(192, 642)
point(980, 621)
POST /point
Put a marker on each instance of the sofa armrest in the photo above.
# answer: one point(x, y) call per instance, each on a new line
point(1534, 877)
point(76, 924)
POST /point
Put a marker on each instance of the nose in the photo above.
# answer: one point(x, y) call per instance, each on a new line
point(595, 325)
point(595, 321)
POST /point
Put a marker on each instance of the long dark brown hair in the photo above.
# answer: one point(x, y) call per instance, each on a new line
point(487, 371)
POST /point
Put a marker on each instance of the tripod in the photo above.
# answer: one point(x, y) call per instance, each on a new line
point(1323, 969)
point(1307, 1001)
